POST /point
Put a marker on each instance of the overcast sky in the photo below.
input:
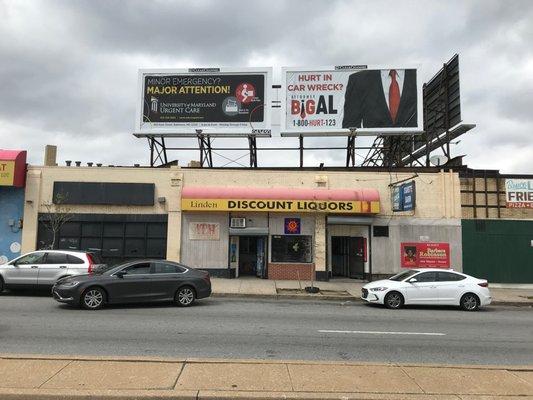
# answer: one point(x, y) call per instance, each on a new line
point(68, 69)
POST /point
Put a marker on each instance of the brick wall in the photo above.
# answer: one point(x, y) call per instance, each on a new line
point(291, 271)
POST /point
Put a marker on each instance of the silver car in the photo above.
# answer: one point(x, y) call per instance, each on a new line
point(45, 267)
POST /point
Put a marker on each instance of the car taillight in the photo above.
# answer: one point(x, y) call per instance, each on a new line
point(91, 263)
point(484, 284)
point(207, 278)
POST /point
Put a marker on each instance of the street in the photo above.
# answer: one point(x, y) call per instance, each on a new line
point(269, 329)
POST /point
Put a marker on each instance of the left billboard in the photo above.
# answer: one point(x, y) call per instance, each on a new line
point(209, 99)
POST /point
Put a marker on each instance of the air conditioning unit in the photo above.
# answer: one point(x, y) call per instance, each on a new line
point(238, 223)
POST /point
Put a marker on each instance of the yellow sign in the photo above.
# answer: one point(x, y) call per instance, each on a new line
point(7, 173)
point(263, 205)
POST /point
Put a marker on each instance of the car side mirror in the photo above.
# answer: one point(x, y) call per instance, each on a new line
point(120, 274)
point(413, 280)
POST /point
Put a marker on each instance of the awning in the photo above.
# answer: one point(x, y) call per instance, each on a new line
point(12, 168)
point(280, 199)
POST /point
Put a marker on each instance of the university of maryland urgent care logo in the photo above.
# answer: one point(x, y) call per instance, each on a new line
point(292, 226)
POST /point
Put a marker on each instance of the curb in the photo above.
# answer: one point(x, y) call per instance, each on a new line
point(340, 298)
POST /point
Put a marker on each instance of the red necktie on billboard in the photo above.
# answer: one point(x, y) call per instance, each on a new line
point(394, 95)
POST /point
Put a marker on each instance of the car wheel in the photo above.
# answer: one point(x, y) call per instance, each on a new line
point(185, 296)
point(2, 287)
point(470, 302)
point(394, 300)
point(93, 298)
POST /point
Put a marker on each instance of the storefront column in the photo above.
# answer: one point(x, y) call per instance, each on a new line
point(320, 247)
point(174, 217)
point(31, 211)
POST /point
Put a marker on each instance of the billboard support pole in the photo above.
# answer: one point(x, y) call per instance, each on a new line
point(253, 151)
point(301, 140)
point(204, 142)
point(350, 149)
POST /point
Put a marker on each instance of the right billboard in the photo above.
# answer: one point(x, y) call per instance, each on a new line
point(343, 98)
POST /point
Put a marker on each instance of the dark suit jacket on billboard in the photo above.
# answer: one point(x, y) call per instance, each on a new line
point(364, 102)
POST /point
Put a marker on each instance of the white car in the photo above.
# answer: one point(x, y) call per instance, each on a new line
point(429, 286)
point(45, 267)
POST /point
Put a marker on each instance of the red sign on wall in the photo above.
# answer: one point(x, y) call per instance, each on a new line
point(425, 255)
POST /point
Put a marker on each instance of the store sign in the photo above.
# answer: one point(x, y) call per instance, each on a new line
point(292, 226)
point(404, 197)
point(430, 255)
point(185, 100)
point(263, 205)
point(7, 173)
point(204, 231)
point(519, 193)
point(337, 99)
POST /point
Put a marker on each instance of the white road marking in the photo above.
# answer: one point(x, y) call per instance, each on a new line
point(385, 333)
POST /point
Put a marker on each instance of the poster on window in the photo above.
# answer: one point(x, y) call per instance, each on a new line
point(425, 255)
point(204, 231)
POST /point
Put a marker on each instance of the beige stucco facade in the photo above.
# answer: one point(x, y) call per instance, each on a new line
point(436, 216)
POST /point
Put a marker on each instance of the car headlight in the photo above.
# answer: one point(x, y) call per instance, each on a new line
point(70, 284)
point(378, 289)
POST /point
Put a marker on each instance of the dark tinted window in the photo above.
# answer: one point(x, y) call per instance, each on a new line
point(74, 260)
point(449, 277)
point(137, 269)
point(426, 277)
point(381, 231)
point(56, 258)
point(403, 275)
point(135, 230)
point(160, 268)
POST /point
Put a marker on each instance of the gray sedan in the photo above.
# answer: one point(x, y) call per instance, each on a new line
point(135, 282)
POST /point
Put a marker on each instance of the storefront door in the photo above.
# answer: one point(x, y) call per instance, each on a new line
point(252, 256)
point(348, 256)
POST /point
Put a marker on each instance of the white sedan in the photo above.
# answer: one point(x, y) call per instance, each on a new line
point(429, 286)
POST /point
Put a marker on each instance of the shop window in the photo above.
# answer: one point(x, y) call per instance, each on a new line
point(112, 247)
point(112, 229)
point(70, 229)
point(135, 229)
point(156, 248)
point(292, 248)
point(134, 248)
point(91, 229)
point(381, 231)
point(69, 243)
point(91, 243)
point(157, 230)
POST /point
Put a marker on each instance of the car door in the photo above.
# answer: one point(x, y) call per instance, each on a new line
point(133, 286)
point(450, 287)
point(423, 290)
point(53, 268)
point(24, 270)
point(166, 278)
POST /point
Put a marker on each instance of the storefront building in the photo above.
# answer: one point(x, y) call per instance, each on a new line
point(12, 181)
point(267, 223)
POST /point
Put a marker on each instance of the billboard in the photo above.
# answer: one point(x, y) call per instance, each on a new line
point(420, 255)
point(519, 193)
point(188, 100)
point(337, 99)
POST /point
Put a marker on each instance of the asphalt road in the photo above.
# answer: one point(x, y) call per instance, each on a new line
point(264, 329)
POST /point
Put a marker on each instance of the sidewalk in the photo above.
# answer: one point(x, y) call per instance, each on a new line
point(342, 289)
point(49, 377)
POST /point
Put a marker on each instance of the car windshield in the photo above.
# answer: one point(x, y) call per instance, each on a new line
point(403, 275)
